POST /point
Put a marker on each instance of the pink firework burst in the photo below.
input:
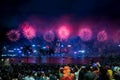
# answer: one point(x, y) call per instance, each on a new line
point(85, 34)
point(49, 36)
point(28, 31)
point(13, 35)
point(63, 32)
point(102, 36)
point(116, 37)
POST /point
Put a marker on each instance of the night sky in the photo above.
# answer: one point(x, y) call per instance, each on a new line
point(14, 12)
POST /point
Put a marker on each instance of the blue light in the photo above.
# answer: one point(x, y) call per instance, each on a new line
point(35, 51)
point(33, 45)
point(119, 45)
point(20, 51)
point(10, 50)
point(75, 52)
point(38, 45)
point(62, 45)
point(29, 52)
point(69, 45)
point(15, 49)
point(81, 51)
point(44, 47)
point(21, 47)
point(23, 55)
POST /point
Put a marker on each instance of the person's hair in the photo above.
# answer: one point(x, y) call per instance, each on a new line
point(88, 68)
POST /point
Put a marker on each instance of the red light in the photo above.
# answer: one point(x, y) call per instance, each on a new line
point(63, 32)
point(102, 36)
point(85, 34)
point(13, 35)
point(28, 31)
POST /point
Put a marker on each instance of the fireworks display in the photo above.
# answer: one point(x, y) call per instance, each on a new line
point(28, 31)
point(49, 36)
point(116, 37)
point(13, 35)
point(85, 34)
point(102, 36)
point(63, 32)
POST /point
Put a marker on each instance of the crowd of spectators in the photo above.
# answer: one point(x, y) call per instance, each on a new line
point(91, 71)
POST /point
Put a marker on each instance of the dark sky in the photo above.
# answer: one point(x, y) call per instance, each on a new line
point(12, 12)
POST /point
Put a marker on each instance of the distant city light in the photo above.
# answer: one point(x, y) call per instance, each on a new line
point(75, 52)
point(15, 49)
point(69, 45)
point(119, 45)
point(44, 47)
point(62, 45)
point(81, 51)
point(38, 45)
point(21, 47)
point(20, 51)
point(4, 55)
point(35, 51)
point(29, 52)
point(10, 50)
point(33, 45)
point(23, 55)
